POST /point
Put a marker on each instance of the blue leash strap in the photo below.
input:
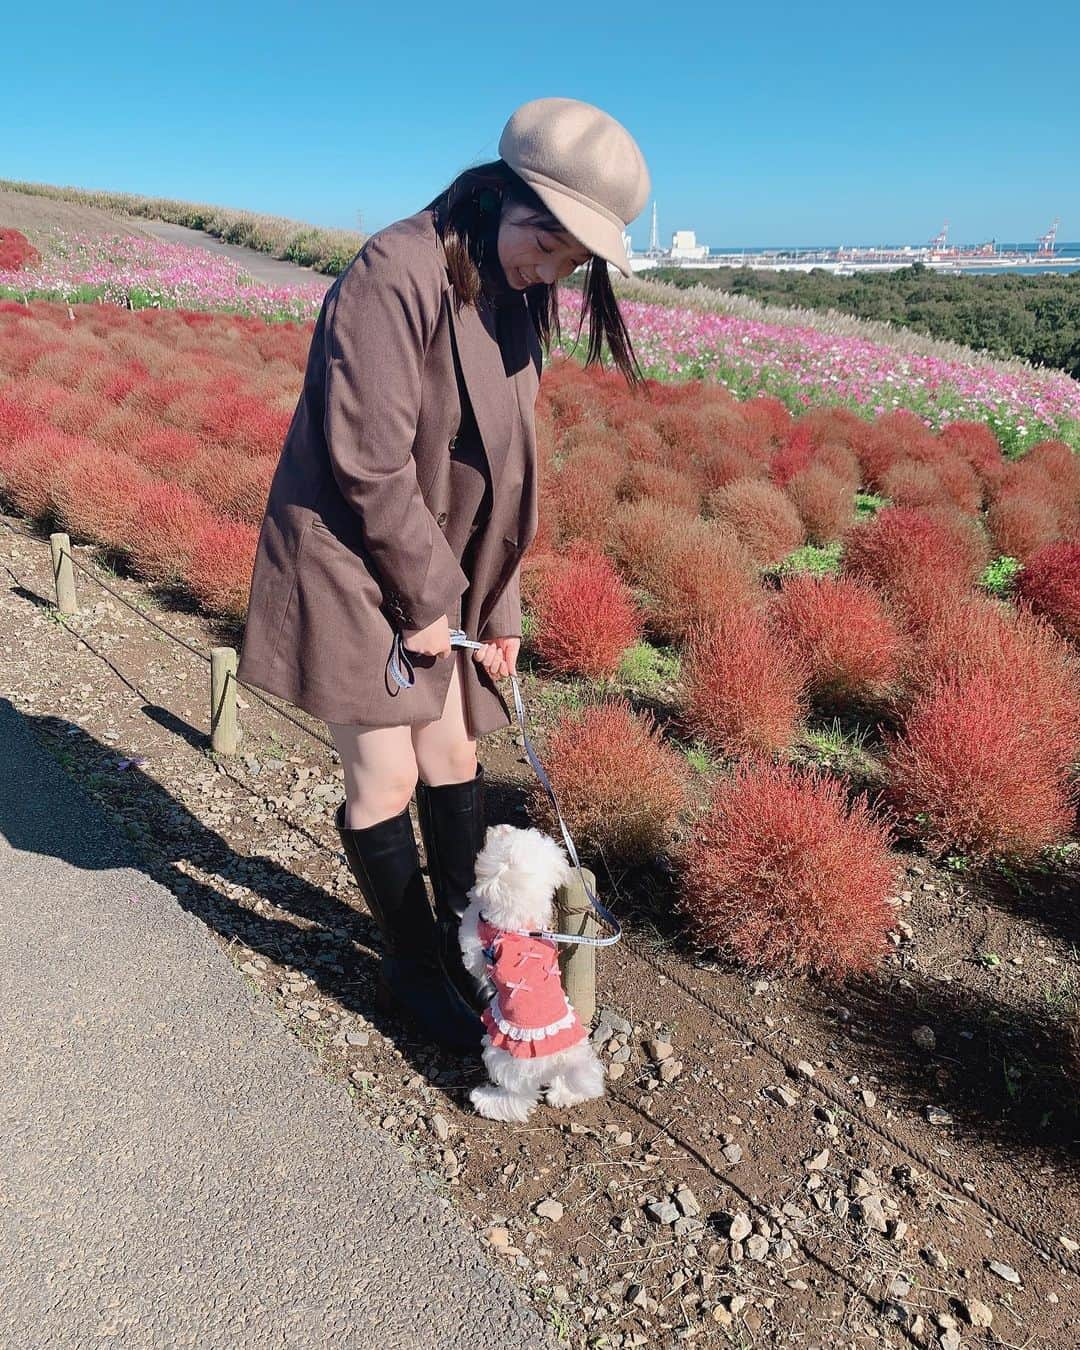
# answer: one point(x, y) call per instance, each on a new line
point(399, 663)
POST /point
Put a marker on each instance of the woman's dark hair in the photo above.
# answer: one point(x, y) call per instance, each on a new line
point(467, 214)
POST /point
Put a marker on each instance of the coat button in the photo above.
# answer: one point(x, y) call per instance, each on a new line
point(453, 442)
point(441, 517)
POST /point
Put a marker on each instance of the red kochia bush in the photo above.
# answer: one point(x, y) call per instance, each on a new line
point(222, 557)
point(584, 616)
point(976, 770)
point(698, 577)
point(744, 689)
point(619, 786)
point(1050, 586)
point(825, 504)
point(783, 874)
point(913, 558)
point(16, 251)
point(973, 634)
point(853, 650)
point(978, 446)
point(585, 491)
point(1019, 524)
point(762, 517)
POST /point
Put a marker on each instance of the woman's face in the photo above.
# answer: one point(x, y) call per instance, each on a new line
point(529, 255)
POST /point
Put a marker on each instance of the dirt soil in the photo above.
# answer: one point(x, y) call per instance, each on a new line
point(743, 1183)
point(35, 216)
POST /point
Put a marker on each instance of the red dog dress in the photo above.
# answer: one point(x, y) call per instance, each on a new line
point(529, 1015)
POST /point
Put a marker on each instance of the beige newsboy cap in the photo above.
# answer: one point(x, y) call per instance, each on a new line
point(584, 166)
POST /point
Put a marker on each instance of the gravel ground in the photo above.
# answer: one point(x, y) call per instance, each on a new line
point(711, 1197)
point(153, 1190)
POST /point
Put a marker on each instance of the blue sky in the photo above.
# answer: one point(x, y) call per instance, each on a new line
point(839, 124)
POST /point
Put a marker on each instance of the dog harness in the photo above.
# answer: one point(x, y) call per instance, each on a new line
point(529, 1015)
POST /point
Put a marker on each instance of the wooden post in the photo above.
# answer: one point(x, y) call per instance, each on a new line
point(63, 573)
point(224, 731)
point(577, 961)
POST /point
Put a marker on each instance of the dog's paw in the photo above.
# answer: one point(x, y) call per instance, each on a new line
point(585, 1089)
point(495, 1103)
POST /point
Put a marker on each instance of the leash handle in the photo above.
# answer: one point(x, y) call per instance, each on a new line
point(398, 665)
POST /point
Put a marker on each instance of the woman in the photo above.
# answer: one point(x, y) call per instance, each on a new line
point(404, 499)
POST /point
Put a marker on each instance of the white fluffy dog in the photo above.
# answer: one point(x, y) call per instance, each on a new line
point(534, 1041)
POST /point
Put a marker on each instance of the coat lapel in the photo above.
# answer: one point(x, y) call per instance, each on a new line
point(480, 358)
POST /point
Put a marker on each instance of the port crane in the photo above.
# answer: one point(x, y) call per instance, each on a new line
point(1047, 241)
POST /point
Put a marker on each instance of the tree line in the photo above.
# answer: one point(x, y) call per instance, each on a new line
point(1034, 317)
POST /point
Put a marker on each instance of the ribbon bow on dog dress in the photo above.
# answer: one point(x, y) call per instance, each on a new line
point(529, 1016)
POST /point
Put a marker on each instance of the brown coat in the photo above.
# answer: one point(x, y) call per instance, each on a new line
point(356, 539)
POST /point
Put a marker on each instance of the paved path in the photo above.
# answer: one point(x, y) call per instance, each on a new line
point(174, 1171)
point(273, 271)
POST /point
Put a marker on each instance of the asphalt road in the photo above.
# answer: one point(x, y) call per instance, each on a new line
point(174, 1170)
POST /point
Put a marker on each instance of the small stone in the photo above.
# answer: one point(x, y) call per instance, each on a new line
point(686, 1227)
point(659, 1050)
point(935, 1258)
point(357, 1038)
point(757, 1247)
point(978, 1314)
point(736, 1303)
point(950, 1339)
point(635, 1294)
point(499, 1237)
point(670, 1070)
point(615, 1022)
point(549, 1209)
point(440, 1128)
point(899, 1288)
point(721, 1315)
point(615, 1072)
point(1069, 1245)
point(869, 1097)
point(805, 1068)
point(733, 1153)
point(924, 1038)
point(936, 1116)
point(818, 1162)
point(740, 1227)
point(873, 1216)
point(781, 1094)
point(661, 1211)
point(687, 1202)
point(800, 1286)
point(1004, 1272)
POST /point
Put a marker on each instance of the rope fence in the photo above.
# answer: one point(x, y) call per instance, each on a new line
point(224, 737)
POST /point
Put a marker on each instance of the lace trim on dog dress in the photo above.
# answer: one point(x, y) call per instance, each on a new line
point(530, 1015)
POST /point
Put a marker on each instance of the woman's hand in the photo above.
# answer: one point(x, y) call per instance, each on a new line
point(434, 640)
point(499, 656)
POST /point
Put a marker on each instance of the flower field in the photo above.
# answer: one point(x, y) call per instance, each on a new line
point(137, 273)
point(803, 361)
point(915, 584)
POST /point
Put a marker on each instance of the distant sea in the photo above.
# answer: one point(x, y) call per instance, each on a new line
point(1067, 254)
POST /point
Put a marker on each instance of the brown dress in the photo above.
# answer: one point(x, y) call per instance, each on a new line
point(406, 489)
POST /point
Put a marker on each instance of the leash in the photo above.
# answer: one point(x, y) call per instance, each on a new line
point(399, 664)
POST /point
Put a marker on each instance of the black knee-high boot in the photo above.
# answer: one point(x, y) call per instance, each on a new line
point(453, 825)
point(385, 861)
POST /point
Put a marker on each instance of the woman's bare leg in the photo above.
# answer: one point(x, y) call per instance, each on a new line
point(443, 749)
point(380, 771)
